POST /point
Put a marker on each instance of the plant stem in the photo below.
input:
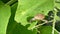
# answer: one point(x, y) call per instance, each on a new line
point(39, 25)
point(54, 20)
point(11, 2)
point(43, 24)
point(59, 32)
point(56, 31)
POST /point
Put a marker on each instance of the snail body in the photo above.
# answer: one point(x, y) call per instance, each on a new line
point(38, 17)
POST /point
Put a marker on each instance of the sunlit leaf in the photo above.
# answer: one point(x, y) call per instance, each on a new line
point(4, 17)
point(28, 8)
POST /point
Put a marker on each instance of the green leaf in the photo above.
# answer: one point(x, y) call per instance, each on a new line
point(17, 28)
point(28, 8)
point(4, 17)
point(1, 3)
point(55, 32)
point(57, 18)
point(20, 29)
point(32, 26)
point(46, 30)
point(57, 5)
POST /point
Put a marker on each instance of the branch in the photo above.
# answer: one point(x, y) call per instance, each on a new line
point(11, 2)
point(54, 20)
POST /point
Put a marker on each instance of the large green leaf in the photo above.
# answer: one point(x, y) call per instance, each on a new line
point(46, 30)
point(17, 28)
point(29, 8)
point(4, 17)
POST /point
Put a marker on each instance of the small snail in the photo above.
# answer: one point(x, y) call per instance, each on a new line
point(39, 17)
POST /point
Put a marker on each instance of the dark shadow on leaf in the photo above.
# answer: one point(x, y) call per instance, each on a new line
point(48, 18)
point(29, 18)
point(5, 1)
point(51, 13)
point(17, 28)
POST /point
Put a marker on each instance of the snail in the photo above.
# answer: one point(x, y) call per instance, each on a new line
point(39, 17)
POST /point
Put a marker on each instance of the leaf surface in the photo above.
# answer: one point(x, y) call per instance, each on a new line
point(46, 30)
point(4, 17)
point(29, 8)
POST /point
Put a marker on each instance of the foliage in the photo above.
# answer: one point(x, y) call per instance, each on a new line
point(16, 16)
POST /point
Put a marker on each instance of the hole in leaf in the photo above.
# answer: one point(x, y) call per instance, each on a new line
point(50, 13)
point(29, 19)
point(48, 18)
point(40, 22)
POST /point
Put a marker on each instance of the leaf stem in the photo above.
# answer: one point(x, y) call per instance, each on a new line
point(11, 2)
point(56, 31)
point(43, 24)
point(54, 20)
point(39, 25)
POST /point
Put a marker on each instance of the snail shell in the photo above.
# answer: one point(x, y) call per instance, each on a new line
point(39, 17)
